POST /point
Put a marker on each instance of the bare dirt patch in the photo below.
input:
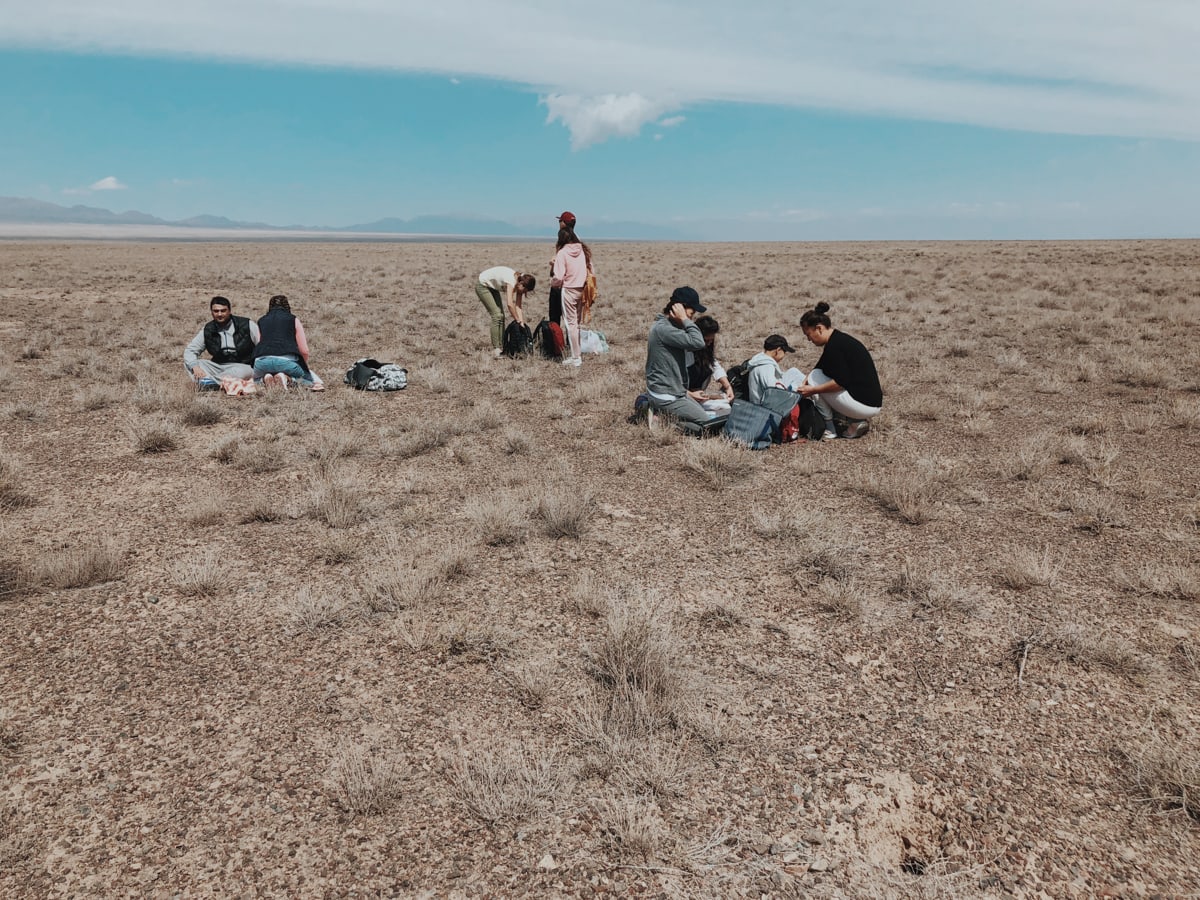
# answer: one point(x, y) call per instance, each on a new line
point(485, 637)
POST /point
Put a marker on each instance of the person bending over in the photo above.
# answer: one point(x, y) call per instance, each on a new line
point(229, 340)
point(671, 336)
point(282, 353)
point(514, 286)
point(704, 370)
point(765, 371)
point(845, 380)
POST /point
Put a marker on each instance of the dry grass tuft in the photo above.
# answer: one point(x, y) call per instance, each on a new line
point(505, 781)
point(340, 503)
point(1077, 643)
point(1171, 581)
point(81, 567)
point(634, 828)
point(1166, 769)
point(905, 492)
point(1025, 568)
point(516, 443)
point(720, 462)
point(13, 579)
point(226, 451)
point(311, 609)
point(565, 512)
point(201, 577)
point(529, 683)
point(841, 597)
point(155, 436)
point(501, 520)
point(203, 412)
point(12, 486)
point(366, 782)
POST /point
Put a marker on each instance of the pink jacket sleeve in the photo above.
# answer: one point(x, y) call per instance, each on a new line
point(301, 340)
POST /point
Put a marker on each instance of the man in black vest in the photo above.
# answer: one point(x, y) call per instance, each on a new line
point(229, 340)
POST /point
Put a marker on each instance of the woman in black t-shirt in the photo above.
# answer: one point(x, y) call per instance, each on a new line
point(844, 380)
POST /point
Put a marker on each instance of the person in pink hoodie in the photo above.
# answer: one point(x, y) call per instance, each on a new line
point(572, 263)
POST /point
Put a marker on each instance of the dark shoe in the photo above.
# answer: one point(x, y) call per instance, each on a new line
point(856, 429)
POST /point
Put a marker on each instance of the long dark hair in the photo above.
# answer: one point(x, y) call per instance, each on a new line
point(707, 325)
point(818, 315)
point(566, 235)
point(279, 301)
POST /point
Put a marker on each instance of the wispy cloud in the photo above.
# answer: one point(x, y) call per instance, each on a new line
point(108, 184)
point(1098, 67)
point(594, 119)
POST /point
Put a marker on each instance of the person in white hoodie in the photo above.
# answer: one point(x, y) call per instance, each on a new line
point(765, 371)
point(572, 263)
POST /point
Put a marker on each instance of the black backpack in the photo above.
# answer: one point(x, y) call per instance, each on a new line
point(739, 380)
point(812, 426)
point(518, 340)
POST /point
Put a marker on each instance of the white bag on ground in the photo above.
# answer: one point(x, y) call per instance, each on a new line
point(592, 341)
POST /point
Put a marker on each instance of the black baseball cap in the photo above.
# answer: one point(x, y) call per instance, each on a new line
point(689, 298)
point(777, 342)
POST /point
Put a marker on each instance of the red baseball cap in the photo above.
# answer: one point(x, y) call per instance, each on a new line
point(567, 218)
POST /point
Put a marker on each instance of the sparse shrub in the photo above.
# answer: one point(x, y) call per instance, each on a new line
point(209, 511)
point(13, 579)
point(722, 615)
point(516, 442)
point(226, 451)
point(821, 556)
point(155, 437)
point(311, 609)
point(565, 512)
point(1028, 462)
point(842, 597)
point(339, 504)
point(367, 782)
point(426, 436)
point(203, 412)
point(12, 486)
point(337, 548)
point(81, 567)
point(1172, 581)
point(634, 828)
point(529, 684)
point(1025, 568)
point(201, 577)
point(796, 524)
point(260, 509)
point(475, 641)
point(500, 520)
point(721, 462)
point(904, 492)
point(1076, 643)
point(1166, 768)
point(505, 781)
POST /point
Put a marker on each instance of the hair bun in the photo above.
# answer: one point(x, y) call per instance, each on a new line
point(821, 308)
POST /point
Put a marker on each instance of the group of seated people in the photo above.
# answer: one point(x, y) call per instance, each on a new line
point(272, 351)
point(685, 380)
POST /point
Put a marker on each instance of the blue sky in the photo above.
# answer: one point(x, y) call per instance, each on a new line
point(759, 120)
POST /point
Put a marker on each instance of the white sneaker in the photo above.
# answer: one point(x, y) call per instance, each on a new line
point(829, 435)
point(573, 361)
point(498, 352)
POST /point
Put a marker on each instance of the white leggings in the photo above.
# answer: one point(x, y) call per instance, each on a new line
point(841, 402)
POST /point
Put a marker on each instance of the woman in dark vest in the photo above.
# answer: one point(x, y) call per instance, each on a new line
point(282, 350)
point(845, 380)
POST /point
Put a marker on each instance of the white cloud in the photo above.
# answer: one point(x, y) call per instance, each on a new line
point(108, 184)
point(671, 121)
point(594, 119)
point(1073, 66)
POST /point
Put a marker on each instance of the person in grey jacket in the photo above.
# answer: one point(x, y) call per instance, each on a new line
point(671, 336)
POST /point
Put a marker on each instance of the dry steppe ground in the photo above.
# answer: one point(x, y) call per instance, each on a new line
point(484, 637)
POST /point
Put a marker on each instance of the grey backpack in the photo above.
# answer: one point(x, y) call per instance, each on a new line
point(372, 375)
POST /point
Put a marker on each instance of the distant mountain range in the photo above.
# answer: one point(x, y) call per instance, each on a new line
point(26, 211)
